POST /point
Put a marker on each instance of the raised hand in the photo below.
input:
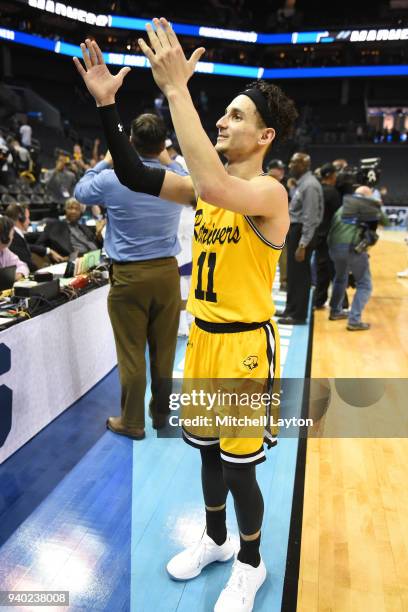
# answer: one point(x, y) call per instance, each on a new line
point(171, 69)
point(101, 84)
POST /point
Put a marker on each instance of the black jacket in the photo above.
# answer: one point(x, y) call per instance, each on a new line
point(57, 236)
point(332, 201)
point(23, 250)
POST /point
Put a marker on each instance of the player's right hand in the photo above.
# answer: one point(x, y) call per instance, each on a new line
point(101, 84)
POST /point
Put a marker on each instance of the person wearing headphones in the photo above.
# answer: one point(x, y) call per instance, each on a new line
point(7, 257)
point(20, 215)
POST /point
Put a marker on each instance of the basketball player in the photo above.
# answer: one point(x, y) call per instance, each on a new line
point(240, 228)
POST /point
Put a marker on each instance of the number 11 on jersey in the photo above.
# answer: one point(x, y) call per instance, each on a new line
point(200, 294)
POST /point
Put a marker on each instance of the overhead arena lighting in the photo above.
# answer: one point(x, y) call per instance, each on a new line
point(293, 38)
point(253, 72)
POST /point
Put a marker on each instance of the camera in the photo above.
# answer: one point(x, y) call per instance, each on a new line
point(367, 173)
point(368, 239)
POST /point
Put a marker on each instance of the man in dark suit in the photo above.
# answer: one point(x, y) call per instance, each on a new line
point(324, 265)
point(20, 215)
point(69, 236)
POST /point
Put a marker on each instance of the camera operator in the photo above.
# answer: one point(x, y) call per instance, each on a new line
point(350, 236)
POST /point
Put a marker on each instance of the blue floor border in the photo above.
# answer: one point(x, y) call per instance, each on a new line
point(26, 482)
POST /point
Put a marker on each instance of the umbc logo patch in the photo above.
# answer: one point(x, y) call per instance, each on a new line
point(251, 362)
point(6, 395)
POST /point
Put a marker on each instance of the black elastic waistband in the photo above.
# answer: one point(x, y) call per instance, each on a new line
point(227, 328)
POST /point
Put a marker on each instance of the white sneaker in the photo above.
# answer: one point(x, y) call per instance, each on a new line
point(403, 274)
point(240, 592)
point(189, 563)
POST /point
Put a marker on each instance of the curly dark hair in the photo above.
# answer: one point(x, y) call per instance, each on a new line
point(281, 107)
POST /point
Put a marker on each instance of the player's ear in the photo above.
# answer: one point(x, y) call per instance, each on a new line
point(267, 136)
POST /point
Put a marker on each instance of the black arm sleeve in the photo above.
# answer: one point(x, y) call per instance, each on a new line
point(129, 168)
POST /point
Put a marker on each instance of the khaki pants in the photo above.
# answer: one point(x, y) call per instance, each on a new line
point(144, 306)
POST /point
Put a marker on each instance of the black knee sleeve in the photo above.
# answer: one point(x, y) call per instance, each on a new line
point(214, 488)
point(247, 496)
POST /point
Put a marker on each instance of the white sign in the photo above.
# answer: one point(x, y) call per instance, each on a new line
point(379, 35)
point(228, 34)
point(57, 8)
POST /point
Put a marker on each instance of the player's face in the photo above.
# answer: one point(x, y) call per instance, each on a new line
point(238, 130)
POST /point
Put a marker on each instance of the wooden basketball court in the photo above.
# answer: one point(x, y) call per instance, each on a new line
point(354, 552)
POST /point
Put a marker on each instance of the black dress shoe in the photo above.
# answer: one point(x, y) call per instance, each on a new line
point(338, 316)
point(159, 421)
point(291, 321)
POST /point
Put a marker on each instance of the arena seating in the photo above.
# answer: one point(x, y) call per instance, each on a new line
point(41, 204)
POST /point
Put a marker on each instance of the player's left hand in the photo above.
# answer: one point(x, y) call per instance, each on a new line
point(171, 69)
point(101, 84)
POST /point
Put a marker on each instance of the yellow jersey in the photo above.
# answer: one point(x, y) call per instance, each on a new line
point(233, 268)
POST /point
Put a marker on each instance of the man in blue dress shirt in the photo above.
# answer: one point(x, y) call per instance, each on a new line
point(144, 299)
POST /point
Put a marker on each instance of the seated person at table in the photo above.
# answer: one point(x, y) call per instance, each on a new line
point(7, 257)
point(69, 236)
point(20, 215)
